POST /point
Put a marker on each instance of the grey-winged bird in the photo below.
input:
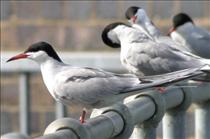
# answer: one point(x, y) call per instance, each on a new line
point(90, 87)
point(196, 39)
point(141, 54)
point(138, 19)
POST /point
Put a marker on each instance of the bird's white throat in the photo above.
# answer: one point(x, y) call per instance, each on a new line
point(49, 69)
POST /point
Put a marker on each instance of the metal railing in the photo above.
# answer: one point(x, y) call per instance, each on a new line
point(140, 114)
point(22, 67)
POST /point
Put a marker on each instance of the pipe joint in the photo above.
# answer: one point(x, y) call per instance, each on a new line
point(71, 124)
point(186, 102)
point(125, 114)
point(159, 108)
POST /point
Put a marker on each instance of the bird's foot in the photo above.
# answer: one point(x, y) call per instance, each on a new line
point(200, 82)
point(161, 89)
point(82, 117)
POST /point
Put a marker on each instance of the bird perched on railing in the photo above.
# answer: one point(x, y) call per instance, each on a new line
point(196, 39)
point(141, 54)
point(90, 87)
point(134, 15)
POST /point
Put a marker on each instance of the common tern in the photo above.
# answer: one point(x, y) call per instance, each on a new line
point(196, 39)
point(144, 56)
point(134, 14)
point(90, 87)
point(138, 19)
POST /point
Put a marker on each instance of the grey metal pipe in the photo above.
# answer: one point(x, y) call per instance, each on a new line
point(24, 99)
point(200, 93)
point(202, 120)
point(173, 97)
point(110, 122)
point(140, 132)
point(104, 122)
point(174, 125)
point(61, 134)
point(61, 110)
point(15, 136)
point(147, 129)
point(174, 119)
point(147, 109)
point(142, 105)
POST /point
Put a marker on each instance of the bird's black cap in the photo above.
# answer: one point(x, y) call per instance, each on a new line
point(181, 19)
point(43, 46)
point(105, 32)
point(131, 11)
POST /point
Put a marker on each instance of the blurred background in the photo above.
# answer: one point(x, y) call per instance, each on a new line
point(71, 26)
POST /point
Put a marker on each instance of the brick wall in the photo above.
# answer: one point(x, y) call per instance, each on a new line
point(77, 25)
point(69, 25)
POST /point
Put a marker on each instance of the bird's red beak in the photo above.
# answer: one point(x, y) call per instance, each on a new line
point(20, 56)
point(170, 31)
point(133, 19)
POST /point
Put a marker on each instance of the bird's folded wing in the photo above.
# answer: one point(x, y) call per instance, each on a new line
point(159, 58)
point(200, 34)
point(167, 79)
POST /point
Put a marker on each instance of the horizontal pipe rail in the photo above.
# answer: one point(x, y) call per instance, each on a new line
point(120, 119)
point(107, 125)
point(61, 134)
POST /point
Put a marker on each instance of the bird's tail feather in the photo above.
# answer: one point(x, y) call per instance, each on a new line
point(166, 79)
point(206, 68)
point(206, 61)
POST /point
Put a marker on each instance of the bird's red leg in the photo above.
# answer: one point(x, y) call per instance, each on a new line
point(200, 82)
point(82, 117)
point(161, 89)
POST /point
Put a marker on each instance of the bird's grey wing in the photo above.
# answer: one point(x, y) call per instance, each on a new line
point(158, 58)
point(200, 34)
point(91, 86)
point(172, 43)
point(193, 31)
point(99, 90)
point(168, 79)
point(96, 87)
point(198, 40)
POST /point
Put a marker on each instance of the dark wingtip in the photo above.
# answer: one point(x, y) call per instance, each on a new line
point(9, 60)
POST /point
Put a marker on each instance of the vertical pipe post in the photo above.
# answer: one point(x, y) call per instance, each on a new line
point(24, 98)
point(174, 125)
point(202, 120)
point(140, 132)
point(174, 119)
point(61, 110)
point(147, 129)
